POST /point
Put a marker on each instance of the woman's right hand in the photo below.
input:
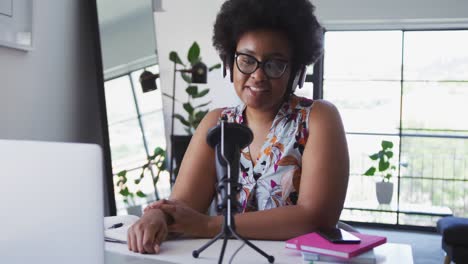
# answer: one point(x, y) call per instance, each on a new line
point(147, 234)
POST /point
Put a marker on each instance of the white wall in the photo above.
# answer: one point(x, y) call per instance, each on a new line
point(50, 93)
point(182, 23)
point(186, 20)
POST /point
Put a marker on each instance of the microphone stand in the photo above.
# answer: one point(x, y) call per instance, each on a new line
point(228, 205)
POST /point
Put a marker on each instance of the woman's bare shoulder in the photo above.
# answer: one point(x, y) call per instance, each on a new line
point(212, 117)
point(323, 111)
point(323, 105)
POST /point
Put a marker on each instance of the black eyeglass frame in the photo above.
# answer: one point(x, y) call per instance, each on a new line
point(260, 64)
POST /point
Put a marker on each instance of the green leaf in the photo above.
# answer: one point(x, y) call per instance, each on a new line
point(198, 118)
point(189, 131)
point(195, 124)
point(192, 90)
point(387, 144)
point(374, 156)
point(370, 172)
point(200, 115)
point(383, 165)
point(389, 154)
point(188, 107)
point(201, 93)
point(191, 117)
point(124, 192)
point(194, 53)
point(202, 105)
point(182, 120)
point(216, 66)
point(174, 57)
point(159, 152)
point(122, 173)
point(137, 181)
point(187, 78)
point(140, 194)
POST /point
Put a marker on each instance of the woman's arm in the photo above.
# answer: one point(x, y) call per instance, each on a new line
point(325, 165)
point(324, 180)
point(194, 187)
point(195, 183)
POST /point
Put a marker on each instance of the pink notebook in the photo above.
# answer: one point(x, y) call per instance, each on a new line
point(313, 242)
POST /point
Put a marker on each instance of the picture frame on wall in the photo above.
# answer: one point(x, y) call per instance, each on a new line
point(16, 24)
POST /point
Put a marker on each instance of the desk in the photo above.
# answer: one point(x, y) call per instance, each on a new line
point(180, 251)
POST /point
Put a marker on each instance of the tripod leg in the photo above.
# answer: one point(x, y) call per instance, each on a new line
point(270, 258)
point(197, 252)
point(221, 255)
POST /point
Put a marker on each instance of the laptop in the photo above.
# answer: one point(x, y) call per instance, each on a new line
point(51, 203)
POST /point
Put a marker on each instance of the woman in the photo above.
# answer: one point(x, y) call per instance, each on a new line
point(295, 171)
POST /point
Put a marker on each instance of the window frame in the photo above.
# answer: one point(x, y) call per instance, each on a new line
point(139, 118)
point(317, 78)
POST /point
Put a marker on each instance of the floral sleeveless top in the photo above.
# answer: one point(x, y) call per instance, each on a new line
point(275, 178)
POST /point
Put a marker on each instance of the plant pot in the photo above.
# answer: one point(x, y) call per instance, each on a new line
point(134, 210)
point(384, 191)
point(179, 146)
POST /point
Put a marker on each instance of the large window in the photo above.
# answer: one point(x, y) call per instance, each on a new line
point(411, 88)
point(135, 130)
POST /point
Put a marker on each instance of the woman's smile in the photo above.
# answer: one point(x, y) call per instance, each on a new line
point(258, 89)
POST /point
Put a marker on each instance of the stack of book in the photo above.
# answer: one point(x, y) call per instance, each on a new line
point(316, 249)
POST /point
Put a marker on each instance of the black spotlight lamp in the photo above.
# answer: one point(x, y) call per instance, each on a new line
point(148, 81)
point(199, 73)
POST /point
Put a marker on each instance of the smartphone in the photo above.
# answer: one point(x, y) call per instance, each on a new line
point(339, 236)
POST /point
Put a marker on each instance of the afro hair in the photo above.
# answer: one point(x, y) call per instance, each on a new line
point(295, 18)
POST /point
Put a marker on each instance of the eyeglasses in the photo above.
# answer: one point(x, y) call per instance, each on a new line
point(248, 64)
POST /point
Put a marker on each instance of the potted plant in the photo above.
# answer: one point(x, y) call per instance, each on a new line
point(128, 195)
point(383, 168)
point(194, 113)
point(155, 165)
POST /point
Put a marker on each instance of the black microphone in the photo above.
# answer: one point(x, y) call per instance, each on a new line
point(228, 139)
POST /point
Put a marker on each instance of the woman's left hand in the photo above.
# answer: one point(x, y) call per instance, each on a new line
point(186, 220)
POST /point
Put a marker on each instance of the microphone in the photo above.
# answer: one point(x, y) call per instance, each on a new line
point(228, 139)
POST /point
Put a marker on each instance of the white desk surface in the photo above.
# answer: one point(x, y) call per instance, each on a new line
point(180, 251)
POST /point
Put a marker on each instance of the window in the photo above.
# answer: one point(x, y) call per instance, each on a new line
point(136, 128)
point(409, 87)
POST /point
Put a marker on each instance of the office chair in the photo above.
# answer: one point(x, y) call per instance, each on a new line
point(454, 231)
